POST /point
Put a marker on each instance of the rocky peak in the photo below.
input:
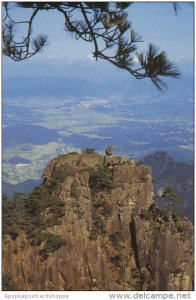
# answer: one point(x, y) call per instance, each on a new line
point(159, 155)
point(112, 238)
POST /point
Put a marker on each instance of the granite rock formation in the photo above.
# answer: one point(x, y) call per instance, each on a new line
point(116, 237)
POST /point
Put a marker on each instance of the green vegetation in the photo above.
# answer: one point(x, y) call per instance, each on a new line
point(61, 173)
point(135, 273)
point(13, 230)
point(53, 243)
point(36, 205)
point(101, 211)
point(144, 179)
point(180, 228)
point(105, 24)
point(98, 226)
point(146, 214)
point(172, 202)
point(74, 190)
point(88, 151)
point(100, 180)
point(73, 152)
point(28, 213)
point(7, 284)
point(14, 215)
point(39, 238)
point(75, 194)
point(30, 280)
point(116, 260)
point(115, 238)
point(103, 207)
point(140, 163)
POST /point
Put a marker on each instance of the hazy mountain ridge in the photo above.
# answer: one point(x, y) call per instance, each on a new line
point(136, 120)
point(58, 87)
point(25, 187)
point(19, 160)
point(28, 134)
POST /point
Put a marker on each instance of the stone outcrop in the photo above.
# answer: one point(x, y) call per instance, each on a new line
point(109, 150)
point(115, 237)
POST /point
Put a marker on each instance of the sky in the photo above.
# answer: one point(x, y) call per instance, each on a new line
point(66, 57)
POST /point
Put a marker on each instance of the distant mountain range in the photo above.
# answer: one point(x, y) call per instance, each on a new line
point(18, 160)
point(180, 175)
point(33, 134)
point(58, 87)
point(25, 187)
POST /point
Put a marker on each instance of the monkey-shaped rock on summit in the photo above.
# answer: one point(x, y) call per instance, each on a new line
point(109, 149)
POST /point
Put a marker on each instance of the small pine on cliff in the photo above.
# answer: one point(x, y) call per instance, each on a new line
point(93, 225)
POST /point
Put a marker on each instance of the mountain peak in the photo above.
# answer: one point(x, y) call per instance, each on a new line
point(159, 155)
point(97, 228)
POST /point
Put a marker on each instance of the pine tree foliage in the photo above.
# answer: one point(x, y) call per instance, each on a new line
point(27, 213)
point(173, 202)
point(14, 215)
point(105, 25)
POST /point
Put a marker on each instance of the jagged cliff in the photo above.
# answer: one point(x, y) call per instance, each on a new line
point(115, 237)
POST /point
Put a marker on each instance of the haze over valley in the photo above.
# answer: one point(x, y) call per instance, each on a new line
point(98, 165)
point(58, 115)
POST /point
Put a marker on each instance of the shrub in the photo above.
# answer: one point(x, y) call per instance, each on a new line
point(81, 214)
point(144, 179)
point(52, 222)
point(135, 273)
point(90, 170)
point(26, 213)
point(88, 151)
point(106, 211)
point(74, 191)
point(101, 211)
point(53, 243)
point(30, 280)
point(15, 250)
point(57, 211)
point(116, 260)
point(179, 227)
point(164, 214)
point(60, 174)
point(13, 215)
point(53, 202)
point(173, 202)
point(103, 207)
point(152, 287)
point(99, 223)
point(115, 238)
point(13, 231)
point(100, 180)
point(7, 284)
point(39, 238)
point(56, 208)
point(140, 163)
point(146, 214)
point(73, 152)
